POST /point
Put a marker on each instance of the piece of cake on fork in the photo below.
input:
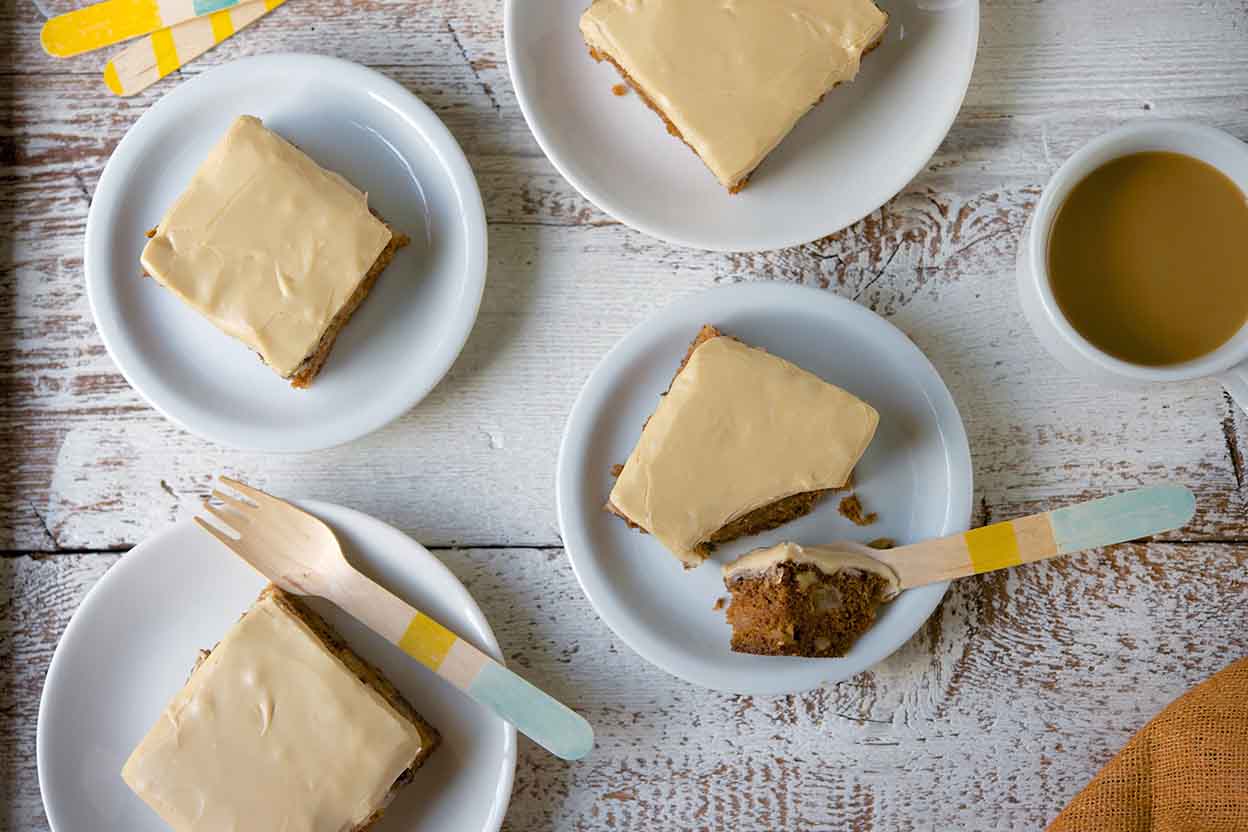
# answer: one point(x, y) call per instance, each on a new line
point(814, 601)
point(733, 77)
point(280, 726)
point(271, 248)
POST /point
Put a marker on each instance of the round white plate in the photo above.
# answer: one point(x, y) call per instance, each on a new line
point(399, 343)
point(916, 475)
point(131, 645)
point(845, 158)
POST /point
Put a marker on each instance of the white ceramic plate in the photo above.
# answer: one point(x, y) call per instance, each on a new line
point(133, 642)
point(400, 342)
point(916, 475)
point(846, 158)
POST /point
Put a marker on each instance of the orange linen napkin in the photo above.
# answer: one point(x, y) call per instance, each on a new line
point(1185, 770)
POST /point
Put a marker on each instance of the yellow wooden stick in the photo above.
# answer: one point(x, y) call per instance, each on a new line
point(146, 61)
point(112, 21)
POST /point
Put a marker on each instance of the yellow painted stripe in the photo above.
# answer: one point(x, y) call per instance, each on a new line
point(222, 26)
point(165, 51)
point(993, 547)
point(111, 80)
point(149, 59)
point(101, 24)
point(427, 641)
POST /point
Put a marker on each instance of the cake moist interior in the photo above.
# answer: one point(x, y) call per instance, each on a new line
point(799, 610)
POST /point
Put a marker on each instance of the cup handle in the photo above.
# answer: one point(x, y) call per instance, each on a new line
point(1235, 380)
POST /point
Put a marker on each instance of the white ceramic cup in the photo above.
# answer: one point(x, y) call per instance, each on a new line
point(1229, 362)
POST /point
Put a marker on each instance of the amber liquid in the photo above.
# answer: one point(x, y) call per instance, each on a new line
point(1148, 258)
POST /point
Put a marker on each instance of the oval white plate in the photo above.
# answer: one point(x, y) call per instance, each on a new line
point(399, 343)
point(916, 475)
point(131, 645)
point(848, 156)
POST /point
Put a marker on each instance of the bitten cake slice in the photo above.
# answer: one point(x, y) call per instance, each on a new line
point(732, 79)
point(280, 726)
point(272, 248)
point(815, 601)
point(742, 442)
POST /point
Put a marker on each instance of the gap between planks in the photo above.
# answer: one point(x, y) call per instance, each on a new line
point(45, 554)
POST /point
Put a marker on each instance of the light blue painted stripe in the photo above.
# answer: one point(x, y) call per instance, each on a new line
point(1122, 517)
point(551, 724)
point(203, 7)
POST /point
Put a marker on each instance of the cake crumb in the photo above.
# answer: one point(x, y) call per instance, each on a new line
point(719, 604)
point(617, 469)
point(882, 543)
point(620, 89)
point(851, 509)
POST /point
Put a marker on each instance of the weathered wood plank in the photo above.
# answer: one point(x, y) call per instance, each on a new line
point(91, 457)
point(61, 131)
point(1176, 45)
point(1008, 701)
point(1013, 695)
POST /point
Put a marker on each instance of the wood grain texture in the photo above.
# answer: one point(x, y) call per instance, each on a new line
point(1008, 701)
point(992, 717)
point(937, 260)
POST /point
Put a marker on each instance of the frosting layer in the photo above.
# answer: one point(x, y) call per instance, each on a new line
point(266, 244)
point(272, 731)
point(734, 76)
point(828, 559)
point(739, 429)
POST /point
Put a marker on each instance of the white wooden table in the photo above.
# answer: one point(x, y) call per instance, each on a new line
point(1019, 688)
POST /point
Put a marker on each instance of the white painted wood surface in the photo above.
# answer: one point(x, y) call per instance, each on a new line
point(1020, 687)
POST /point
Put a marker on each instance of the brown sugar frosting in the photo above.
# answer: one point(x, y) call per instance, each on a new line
point(739, 429)
point(734, 76)
point(827, 559)
point(272, 731)
point(266, 244)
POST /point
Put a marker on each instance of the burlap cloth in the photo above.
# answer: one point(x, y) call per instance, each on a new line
point(1185, 770)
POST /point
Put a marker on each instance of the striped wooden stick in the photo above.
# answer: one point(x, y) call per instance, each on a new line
point(146, 61)
point(110, 22)
point(1102, 522)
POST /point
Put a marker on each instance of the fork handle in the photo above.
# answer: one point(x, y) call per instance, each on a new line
point(537, 714)
point(1087, 525)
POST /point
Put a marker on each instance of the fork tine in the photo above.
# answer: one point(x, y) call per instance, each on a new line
point(217, 533)
point(243, 488)
point(229, 519)
point(233, 502)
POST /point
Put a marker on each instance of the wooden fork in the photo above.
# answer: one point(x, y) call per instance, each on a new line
point(1087, 525)
point(301, 555)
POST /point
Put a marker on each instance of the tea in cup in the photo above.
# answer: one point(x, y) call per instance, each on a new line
point(1134, 266)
